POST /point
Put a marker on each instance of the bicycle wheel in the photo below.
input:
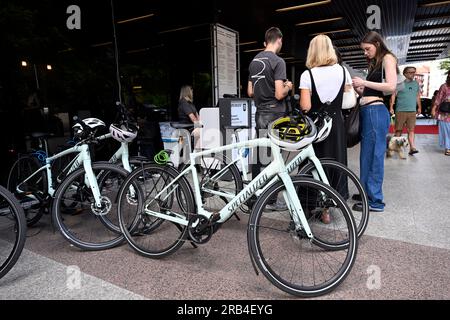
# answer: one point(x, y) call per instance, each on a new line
point(13, 229)
point(23, 168)
point(84, 225)
point(176, 201)
point(135, 162)
point(219, 182)
point(347, 184)
point(287, 258)
point(151, 222)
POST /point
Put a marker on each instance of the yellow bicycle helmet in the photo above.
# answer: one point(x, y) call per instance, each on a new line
point(292, 133)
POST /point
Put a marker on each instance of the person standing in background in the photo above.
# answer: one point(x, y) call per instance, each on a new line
point(406, 107)
point(268, 85)
point(443, 118)
point(374, 115)
point(322, 88)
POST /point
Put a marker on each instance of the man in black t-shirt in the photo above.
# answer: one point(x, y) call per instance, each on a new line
point(268, 85)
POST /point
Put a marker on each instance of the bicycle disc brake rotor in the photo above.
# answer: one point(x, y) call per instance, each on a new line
point(104, 209)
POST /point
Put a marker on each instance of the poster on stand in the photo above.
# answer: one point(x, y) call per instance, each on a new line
point(225, 62)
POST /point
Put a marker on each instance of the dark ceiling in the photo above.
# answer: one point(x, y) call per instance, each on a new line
point(172, 38)
point(171, 46)
point(416, 29)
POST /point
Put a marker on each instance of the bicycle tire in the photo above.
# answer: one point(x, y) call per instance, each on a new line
point(136, 163)
point(74, 224)
point(13, 228)
point(335, 171)
point(23, 168)
point(261, 242)
point(139, 163)
point(149, 181)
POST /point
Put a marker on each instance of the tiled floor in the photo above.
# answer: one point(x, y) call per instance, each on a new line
point(407, 248)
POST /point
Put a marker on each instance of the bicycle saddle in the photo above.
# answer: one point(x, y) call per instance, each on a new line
point(178, 125)
point(235, 127)
point(41, 135)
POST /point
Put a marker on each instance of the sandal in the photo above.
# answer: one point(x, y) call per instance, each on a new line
point(447, 152)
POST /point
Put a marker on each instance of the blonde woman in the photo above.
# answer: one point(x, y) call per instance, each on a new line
point(187, 112)
point(322, 87)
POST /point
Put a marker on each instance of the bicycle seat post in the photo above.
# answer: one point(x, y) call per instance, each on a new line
point(43, 141)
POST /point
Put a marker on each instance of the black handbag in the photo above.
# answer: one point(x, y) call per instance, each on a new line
point(352, 127)
point(444, 107)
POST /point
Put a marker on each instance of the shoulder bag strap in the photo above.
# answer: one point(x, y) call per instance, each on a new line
point(343, 81)
point(313, 83)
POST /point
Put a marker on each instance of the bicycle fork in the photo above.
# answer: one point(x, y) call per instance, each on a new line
point(293, 203)
point(89, 178)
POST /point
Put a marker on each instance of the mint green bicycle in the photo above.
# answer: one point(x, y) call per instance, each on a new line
point(292, 248)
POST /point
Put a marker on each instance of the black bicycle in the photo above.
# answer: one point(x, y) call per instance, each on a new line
point(13, 228)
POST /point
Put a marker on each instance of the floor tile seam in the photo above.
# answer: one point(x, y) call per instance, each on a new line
point(58, 264)
point(407, 242)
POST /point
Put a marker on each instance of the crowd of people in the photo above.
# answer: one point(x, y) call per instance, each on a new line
point(322, 87)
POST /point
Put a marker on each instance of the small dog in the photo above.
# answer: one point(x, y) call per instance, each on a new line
point(397, 144)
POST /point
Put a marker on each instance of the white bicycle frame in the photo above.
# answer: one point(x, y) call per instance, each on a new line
point(306, 153)
point(276, 170)
point(121, 153)
point(83, 158)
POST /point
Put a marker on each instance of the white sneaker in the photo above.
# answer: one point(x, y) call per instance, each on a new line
point(277, 206)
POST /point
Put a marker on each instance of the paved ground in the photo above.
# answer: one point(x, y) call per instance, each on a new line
point(406, 250)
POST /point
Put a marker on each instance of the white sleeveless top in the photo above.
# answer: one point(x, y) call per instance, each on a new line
point(328, 81)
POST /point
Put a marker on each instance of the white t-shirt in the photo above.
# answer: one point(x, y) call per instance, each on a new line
point(328, 81)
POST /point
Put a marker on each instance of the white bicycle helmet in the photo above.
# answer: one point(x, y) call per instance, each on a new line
point(92, 123)
point(123, 133)
point(292, 133)
point(324, 125)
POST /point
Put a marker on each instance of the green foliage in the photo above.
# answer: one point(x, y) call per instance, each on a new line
point(445, 65)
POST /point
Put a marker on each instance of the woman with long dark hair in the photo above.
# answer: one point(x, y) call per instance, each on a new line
point(374, 116)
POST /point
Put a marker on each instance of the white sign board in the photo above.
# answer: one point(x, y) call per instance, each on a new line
point(239, 113)
point(225, 62)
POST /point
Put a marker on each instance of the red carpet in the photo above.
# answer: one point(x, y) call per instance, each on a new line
point(433, 129)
